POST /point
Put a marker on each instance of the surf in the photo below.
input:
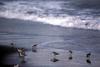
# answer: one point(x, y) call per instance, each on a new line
point(53, 13)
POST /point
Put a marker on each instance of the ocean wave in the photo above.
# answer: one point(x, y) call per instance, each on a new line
point(53, 13)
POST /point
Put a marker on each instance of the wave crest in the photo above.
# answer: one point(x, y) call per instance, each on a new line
point(52, 13)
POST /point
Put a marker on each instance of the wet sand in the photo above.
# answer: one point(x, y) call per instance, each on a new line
point(43, 57)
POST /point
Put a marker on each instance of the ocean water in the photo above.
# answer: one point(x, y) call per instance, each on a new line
point(66, 13)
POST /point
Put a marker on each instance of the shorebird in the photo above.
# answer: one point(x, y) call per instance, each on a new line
point(70, 51)
point(35, 45)
point(12, 44)
point(88, 58)
point(54, 60)
point(70, 55)
point(34, 48)
point(21, 54)
point(23, 51)
point(19, 50)
point(55, 53)
point(88, 54)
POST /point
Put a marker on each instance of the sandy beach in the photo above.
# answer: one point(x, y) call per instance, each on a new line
point(50, 33)
point(42, 58)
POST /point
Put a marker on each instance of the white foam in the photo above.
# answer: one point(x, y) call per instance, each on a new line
point(46, 13)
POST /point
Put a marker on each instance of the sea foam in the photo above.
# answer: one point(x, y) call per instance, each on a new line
point(53, 13)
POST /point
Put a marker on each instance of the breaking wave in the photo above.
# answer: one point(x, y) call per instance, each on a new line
point(59, 13)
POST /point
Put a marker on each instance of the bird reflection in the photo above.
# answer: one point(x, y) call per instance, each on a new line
point(88, 61)
point(70, 58)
